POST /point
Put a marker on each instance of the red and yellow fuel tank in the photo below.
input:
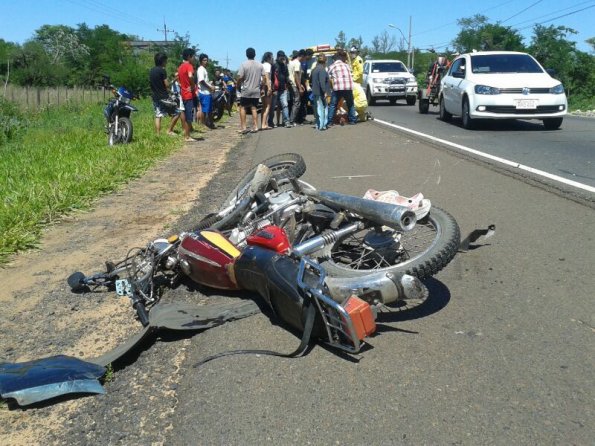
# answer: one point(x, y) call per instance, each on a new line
point(207, 258)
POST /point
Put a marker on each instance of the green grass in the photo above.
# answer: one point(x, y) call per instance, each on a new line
point(62, 162)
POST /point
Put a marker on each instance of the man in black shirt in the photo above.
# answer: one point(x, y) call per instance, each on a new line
point(159, 90)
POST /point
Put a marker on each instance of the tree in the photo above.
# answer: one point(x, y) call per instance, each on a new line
point(591, 42)
point(383, 43)
point(341, 40)
point(61, 43)
point(477, 34)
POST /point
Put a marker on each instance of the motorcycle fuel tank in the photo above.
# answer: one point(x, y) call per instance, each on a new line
point(270, 237)
point(207, 258)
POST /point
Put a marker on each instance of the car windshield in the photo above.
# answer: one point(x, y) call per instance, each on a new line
point(388, 67)
point(504, 63)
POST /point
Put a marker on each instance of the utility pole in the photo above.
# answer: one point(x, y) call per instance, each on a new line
point(165, 30)
point(227, 59)
point(409, 54)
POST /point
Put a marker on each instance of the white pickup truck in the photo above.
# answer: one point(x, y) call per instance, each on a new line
point(390, 80)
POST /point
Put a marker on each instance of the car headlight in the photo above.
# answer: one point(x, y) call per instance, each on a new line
point(378, 80)
point(411, 81)
point(484, 89)
point(558, 89)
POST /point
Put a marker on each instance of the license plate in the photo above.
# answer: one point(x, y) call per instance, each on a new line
point(525, 104)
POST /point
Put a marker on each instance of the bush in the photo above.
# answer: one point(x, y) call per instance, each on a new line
point(11, 121)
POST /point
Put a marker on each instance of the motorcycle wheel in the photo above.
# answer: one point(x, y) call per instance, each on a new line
point(124, 130)
point(286, 165)
point(430, 246)
point(112, 138)
point(218, 113)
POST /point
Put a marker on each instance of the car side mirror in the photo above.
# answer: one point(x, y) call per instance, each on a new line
point(551, 72)
point(458, 74)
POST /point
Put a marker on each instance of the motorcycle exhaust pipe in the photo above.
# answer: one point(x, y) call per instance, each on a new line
point(392, 215)
point(377, 288)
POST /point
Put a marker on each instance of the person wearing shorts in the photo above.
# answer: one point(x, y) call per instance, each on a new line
point(187, 90)
point(206, 88)
point(251, 78)
point(159, 86)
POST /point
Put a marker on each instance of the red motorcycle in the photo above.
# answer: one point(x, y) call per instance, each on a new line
point(323, 261)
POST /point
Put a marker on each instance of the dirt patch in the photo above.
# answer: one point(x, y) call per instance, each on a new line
point(41, 317)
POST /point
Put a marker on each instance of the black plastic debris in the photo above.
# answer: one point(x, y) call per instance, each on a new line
point(42, 379)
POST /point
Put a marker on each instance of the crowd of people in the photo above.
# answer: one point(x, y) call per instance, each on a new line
point(284, 88)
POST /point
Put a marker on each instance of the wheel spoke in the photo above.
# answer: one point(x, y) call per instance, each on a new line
point(354, 253)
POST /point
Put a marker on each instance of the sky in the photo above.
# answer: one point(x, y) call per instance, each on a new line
point(224, 29)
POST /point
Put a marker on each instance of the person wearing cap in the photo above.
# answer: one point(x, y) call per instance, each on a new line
point(357, 65)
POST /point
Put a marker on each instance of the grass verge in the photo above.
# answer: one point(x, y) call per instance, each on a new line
point(62, 163)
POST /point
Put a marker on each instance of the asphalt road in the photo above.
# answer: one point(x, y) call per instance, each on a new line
point(568, 152)
point(502, 353)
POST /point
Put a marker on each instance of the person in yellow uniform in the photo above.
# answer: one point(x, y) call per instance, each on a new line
point(357, 65)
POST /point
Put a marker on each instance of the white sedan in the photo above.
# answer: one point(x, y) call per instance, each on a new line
point(501, 85)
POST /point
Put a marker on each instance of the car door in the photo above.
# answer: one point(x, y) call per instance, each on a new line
point(366, 73)
point(452, 86)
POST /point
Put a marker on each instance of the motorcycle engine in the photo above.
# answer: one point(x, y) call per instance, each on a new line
point(278, 209)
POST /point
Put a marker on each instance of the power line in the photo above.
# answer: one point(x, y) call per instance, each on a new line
point(558, 17)
point(520, 12)
point(457, 21)
point(109, 12)
point(555, 12)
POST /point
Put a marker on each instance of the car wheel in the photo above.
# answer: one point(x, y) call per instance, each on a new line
point(444, 115)
point(468, 122)
point(424, 106)
point(369, 97)
point(411, 100)
point(552, 123)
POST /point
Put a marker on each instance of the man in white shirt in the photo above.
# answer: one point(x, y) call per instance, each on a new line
point(205, 97)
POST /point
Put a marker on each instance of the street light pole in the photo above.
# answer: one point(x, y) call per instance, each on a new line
point(408, 41)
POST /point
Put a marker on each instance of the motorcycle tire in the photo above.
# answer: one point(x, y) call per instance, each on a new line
point(124, 130)
point(218, 113)
point(76, 282)
point(425, 261)
point(286, 165)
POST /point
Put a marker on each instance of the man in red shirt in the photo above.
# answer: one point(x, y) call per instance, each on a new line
point(342, 82)
point(188, 90)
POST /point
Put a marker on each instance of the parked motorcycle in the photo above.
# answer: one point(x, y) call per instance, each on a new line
point(324, 261)
point(221, 103)
point(117, 113)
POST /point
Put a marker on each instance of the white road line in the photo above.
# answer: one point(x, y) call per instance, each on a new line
point(513, 164)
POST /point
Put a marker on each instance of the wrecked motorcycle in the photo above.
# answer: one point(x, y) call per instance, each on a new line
point(324, 262)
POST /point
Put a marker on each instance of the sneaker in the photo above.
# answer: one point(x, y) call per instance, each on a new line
point(288, 125)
